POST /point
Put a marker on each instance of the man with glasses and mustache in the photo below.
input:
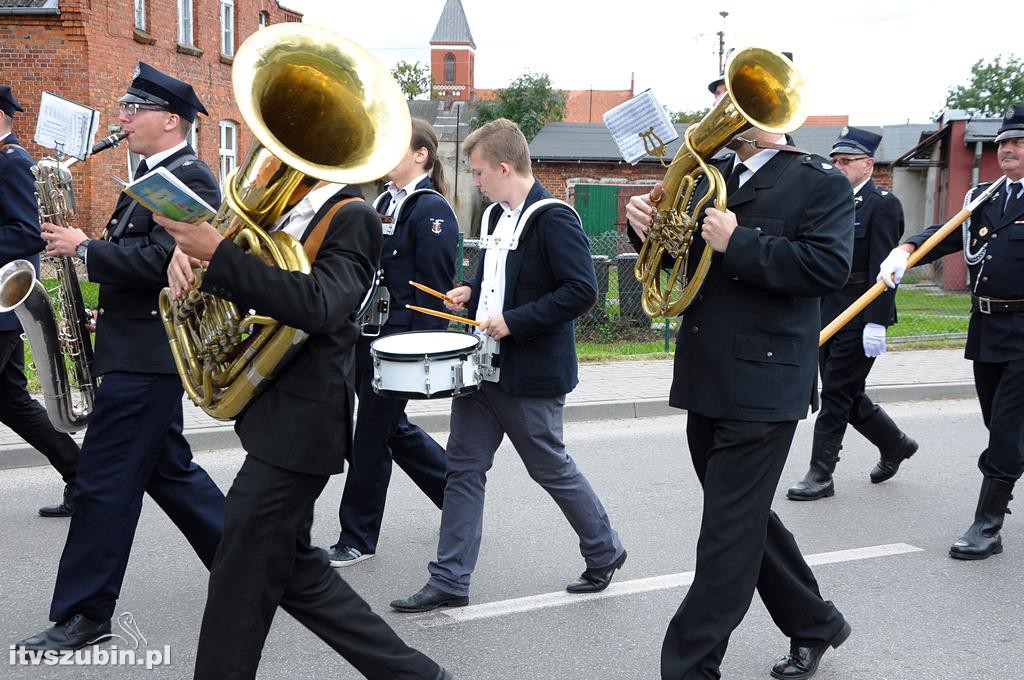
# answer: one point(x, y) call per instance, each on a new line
point(992, 242)
point(846, 359)
point(134, 441)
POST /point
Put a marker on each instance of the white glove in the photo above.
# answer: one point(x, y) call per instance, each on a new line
point(874, 340)
point(894, 266)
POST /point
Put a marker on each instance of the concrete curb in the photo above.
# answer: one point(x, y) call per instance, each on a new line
point(220, 437)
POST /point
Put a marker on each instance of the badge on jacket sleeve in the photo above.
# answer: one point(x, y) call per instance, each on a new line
point(435, 225)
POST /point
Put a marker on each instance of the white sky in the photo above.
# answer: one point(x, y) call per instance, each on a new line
point(880, 62)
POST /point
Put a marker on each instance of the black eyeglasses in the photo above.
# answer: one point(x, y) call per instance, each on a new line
point(843, 162)
point(131, 108)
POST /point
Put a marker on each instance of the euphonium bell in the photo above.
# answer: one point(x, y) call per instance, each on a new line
point(320, 108)
point(763, 91)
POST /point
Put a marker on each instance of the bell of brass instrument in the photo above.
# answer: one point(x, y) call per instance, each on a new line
point(61, 344)
point(320, 108)
point(763, 91)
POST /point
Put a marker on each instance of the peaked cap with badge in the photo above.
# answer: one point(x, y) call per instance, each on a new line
point(854, 140)
point(1013, 123)
point(154, 88)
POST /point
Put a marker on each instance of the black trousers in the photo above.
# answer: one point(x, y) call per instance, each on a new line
point(383, 434)
point(1001, 393)
point(743, 545)
point(134, 445)
point(264, 560)
point(844, 373)
point(23, 414)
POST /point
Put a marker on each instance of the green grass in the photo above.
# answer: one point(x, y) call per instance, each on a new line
point(930, 311)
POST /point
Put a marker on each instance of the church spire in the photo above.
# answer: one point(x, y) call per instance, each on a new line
point(452, 27)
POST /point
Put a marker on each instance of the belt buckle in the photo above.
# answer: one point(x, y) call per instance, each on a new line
point(984, 305)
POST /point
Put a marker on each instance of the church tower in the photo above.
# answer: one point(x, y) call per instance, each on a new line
point(452, 53)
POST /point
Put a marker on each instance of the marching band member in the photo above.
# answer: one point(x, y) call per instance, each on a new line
point(993, 246)
point(134, 442)
point(19, 239)
point(745, 368)
point(846, 359)
point(535, 278)
point(421, 237)
point(296, 435)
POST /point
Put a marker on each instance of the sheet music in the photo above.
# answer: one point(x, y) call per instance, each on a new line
point(640, 114)
point(66, 126)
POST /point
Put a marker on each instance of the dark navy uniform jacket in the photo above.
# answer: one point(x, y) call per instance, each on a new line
point(549, 281)
point(996, 337)
point(19, 214)
point(423, 249)
point(132, 270)
point(748, 346)
point(877, 229)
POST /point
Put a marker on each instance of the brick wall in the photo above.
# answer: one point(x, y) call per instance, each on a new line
point(88, 53)
point(883, 176)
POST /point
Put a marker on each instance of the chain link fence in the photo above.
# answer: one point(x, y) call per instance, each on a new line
point(933, 303)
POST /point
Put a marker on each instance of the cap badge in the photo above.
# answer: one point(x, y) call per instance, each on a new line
point(1010, 112)
point(845, 131)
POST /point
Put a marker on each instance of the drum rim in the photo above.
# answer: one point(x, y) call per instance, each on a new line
point(459, 353)
point(453, 392)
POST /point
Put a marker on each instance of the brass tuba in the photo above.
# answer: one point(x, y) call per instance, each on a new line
point(320, 108)
point(763, 91)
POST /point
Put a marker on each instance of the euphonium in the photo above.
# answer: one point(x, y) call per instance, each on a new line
point(764, 91)
point(61, 345)
point(320, 108)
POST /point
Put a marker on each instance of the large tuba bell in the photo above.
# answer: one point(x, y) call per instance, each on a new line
point(764, 91)
point(320, 108)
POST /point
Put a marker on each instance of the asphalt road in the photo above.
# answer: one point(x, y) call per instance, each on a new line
point(916, 614)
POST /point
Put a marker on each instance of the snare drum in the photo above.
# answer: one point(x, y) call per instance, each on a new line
point(425, 364)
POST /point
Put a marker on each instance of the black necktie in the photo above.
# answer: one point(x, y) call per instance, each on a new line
point(142, 169)
point(1012, 204)
point(733, 182)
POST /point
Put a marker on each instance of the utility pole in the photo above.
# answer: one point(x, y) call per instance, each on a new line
point(721, 44)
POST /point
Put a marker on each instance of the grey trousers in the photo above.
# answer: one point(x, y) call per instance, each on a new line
point(479, 421)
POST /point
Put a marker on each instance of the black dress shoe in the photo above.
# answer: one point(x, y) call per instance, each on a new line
point(429, 598)
point(802, 662)
point(62, 509)
point(596, 580)
point(75, 633)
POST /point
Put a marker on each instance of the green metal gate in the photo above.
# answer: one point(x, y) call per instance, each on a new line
point(598, 206)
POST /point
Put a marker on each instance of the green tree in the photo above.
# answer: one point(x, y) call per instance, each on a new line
point(529, 100)
point(414, 79)
point(688, 116)
point(993, 87)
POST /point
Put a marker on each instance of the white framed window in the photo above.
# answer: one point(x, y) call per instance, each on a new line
point(185, 23)
point(227, 25)
point(228, 148)
point(264, 19)
point(193, 135)
point(140, 14)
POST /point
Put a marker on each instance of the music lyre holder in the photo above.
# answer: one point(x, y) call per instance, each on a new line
point(653, 145)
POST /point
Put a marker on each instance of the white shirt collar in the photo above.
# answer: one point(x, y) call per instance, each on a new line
point(160, 156)
point(6, 136)
point(406, 190)
point(759, 159)
point(510, 211)
point(856, 189)
point(298, 217)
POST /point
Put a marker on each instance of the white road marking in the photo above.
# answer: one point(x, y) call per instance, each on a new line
point(519, 605)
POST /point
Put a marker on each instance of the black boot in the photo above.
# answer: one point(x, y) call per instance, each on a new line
point(63, 509)
point(893, 445)
point(817, 483)
point(983, 539)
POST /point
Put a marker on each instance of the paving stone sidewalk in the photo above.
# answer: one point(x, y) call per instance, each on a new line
point(623, 389)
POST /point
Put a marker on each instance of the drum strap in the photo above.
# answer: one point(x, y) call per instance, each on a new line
point(316, 238)
point(525, 220)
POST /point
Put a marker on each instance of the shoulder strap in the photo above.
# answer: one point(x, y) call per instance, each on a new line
point(485, 220)
point(316, 237)
point(377, 201)
point(403, 210)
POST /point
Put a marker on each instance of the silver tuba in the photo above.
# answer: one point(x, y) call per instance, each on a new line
point(60, 342)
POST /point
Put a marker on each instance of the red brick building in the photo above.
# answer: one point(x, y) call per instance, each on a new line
point(86, 50)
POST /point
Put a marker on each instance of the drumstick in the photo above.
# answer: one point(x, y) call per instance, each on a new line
point(443, 315)
point(431, 291)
